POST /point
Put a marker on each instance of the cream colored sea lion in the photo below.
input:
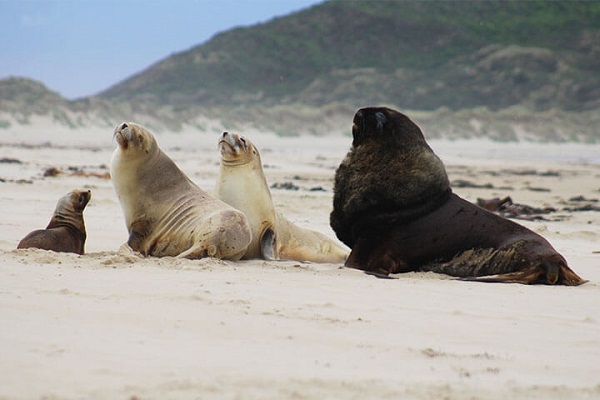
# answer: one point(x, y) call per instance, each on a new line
point(66, 230)
point(394, 207)
point(242, 184)
point(165, 212)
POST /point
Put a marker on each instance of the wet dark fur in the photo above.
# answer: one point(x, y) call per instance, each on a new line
point(66, 230)
point(393, 206)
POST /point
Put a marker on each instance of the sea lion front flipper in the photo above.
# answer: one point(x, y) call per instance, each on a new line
point(375, 261)
point(379, 275)
point(138, 230)
point(267, 245)
point(549, 274)
point(199, 250)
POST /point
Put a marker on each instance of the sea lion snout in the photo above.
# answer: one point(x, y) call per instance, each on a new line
point(81, 198)
point(122, 135)
point(123, 129)
point(228, 144)
point(229, 138)
point(234, 147)
point(134, 138)
point(368, 121)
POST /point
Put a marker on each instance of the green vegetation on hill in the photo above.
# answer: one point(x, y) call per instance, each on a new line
point(506, 70)
point(416, 54)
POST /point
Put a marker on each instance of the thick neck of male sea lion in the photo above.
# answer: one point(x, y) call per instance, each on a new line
point(378, 219)
point(394, 178)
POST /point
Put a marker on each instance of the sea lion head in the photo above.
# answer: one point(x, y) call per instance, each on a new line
point(69, 211)
point(74, 201)
point(385, 127)
point(389, 169)
point(134, 140)
point(237, 149)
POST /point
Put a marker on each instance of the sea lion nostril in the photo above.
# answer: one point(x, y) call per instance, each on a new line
point(123, 125)
point(225, 133)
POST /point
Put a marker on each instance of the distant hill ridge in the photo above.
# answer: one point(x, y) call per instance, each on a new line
point(501, 69)
point(417, 54)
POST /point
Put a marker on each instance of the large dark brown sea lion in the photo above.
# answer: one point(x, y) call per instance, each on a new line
point(242, 184)
point(165, 212)
point(394, 208)
point(66, 230)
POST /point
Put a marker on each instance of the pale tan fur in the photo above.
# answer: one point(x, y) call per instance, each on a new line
point(242, 184)
point(165, 212)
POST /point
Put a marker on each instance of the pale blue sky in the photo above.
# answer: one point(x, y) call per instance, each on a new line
point(81, 47)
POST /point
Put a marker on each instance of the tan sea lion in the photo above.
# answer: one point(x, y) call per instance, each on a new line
point(66, 230)
point(242, 184)
point(394, 208)
point(165, 212)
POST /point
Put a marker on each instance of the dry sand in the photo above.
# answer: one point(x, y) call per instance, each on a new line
point(110, 325)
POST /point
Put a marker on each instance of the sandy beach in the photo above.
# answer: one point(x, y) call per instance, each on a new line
point(112, 325)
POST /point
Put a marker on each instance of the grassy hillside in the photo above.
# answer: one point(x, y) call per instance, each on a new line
point(415, 54)
point(506, 70)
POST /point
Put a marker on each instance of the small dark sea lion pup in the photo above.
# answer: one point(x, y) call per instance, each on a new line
point(66, 230)
point(394, 208)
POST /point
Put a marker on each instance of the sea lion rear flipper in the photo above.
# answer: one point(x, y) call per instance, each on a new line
point(569, 277)
point(267, 245)
point(524, 277)
point(544, 274)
